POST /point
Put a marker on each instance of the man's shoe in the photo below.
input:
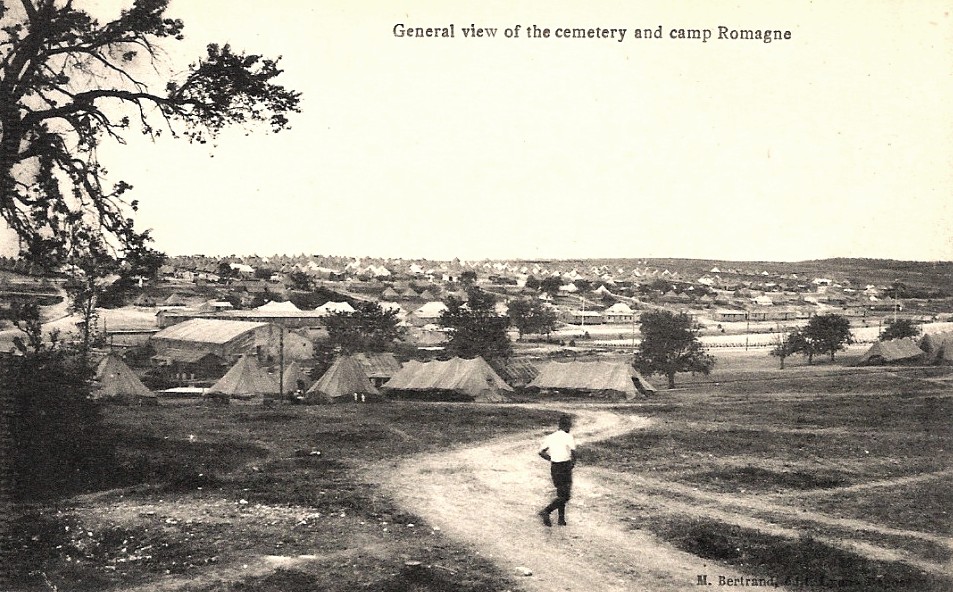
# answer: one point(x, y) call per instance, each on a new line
point(545, 517)
point(561, 523)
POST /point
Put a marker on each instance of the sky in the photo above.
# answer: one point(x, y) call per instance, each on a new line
point(835, 143)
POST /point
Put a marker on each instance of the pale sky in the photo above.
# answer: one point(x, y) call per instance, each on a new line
point(835, 143)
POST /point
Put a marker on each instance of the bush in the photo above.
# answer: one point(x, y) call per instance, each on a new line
point(58, 438)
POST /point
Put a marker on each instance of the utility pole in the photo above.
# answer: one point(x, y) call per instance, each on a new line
point(281, 362)
point(747, 328)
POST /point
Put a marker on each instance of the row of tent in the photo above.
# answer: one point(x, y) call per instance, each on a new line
point(454, 379)
point(933, 348)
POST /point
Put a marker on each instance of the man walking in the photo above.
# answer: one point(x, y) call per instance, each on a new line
point(559, 448)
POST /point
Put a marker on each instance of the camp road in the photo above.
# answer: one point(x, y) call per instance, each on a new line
point(488, 496)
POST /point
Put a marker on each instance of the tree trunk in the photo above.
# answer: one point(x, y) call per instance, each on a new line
point(671, 380)
point(782, 362)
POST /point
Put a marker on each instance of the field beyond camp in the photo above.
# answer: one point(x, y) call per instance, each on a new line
point(837, 479)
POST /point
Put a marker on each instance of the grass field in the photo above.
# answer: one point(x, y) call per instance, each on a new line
point(827, 477)
point(202, 486)
point(840, 479)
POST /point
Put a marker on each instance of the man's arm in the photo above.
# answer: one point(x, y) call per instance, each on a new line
point(572, 456)
point(544, 453)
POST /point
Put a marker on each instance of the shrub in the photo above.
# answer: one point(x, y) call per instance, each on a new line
point(58, 438)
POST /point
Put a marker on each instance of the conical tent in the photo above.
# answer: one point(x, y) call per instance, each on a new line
point(938, 347)
point(294, 378)
point(245, 380)
point(473, 379)
point(117, 382)
point(344, 378)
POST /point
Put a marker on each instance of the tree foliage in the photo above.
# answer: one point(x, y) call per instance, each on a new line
point(69, 83)
point(531, 316)
point(468, 278)
point(670, 345)
point(550, 285)
point(793, 343)
point(476, 329)
point(60, 443)
point(369, 328)
point(828, 333)
point(900, 329)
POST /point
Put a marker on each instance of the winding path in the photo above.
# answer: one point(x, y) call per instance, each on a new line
point(488, 496)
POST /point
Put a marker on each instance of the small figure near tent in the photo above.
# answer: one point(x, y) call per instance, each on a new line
point(559, 448)
point(355, 397)
point(363, 398)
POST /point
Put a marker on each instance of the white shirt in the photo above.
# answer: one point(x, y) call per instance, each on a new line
point(560, 445)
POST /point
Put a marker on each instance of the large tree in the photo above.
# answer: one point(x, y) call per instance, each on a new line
point(368, 328)
point(476, 329)
point(69, 83)
point(828, 333)
point(531, 316)
point(900, 329)
point(670, 345)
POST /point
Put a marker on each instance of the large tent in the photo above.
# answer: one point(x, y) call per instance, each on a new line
point(245, 381)
point(470, 379)
point(118, 383)
point(938, 347)
point(892, 351)
point(275, 306)
point(294, 378)
point(343, 379)
point(599, 378)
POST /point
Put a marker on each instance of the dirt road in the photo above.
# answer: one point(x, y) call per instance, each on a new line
point(488, 496)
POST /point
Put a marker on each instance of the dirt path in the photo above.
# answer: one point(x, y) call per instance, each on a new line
point(488, 496)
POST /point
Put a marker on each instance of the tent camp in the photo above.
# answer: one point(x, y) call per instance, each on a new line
point(338, 385)
point(294, 378)
point(601, 378)
point(472, 380)
point(118, 383)
point(893, 351)
point(245, 381)
point(938, 347)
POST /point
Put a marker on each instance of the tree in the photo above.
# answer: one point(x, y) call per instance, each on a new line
point(368, 328)
point(670, 345)
point(793, 343)
point(299, 280)
point(225, 271)
point(69, 83)
point(899, 329)
point(476, 329)
point(550, 285)
point(531, 316)
point(468, 278)
point(828, 333)
point(59, 443)
point(91, 272)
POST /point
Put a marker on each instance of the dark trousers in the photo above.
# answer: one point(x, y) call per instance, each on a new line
point(562, 479)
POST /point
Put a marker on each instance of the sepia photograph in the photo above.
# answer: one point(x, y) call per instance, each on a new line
point(315, 295)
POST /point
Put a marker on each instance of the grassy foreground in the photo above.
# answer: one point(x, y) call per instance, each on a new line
point(826, 482)
point(250, 498)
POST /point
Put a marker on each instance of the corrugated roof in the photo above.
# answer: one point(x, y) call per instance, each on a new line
point(207, 330)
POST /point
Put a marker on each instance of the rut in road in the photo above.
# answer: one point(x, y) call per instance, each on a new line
point(487, 496)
